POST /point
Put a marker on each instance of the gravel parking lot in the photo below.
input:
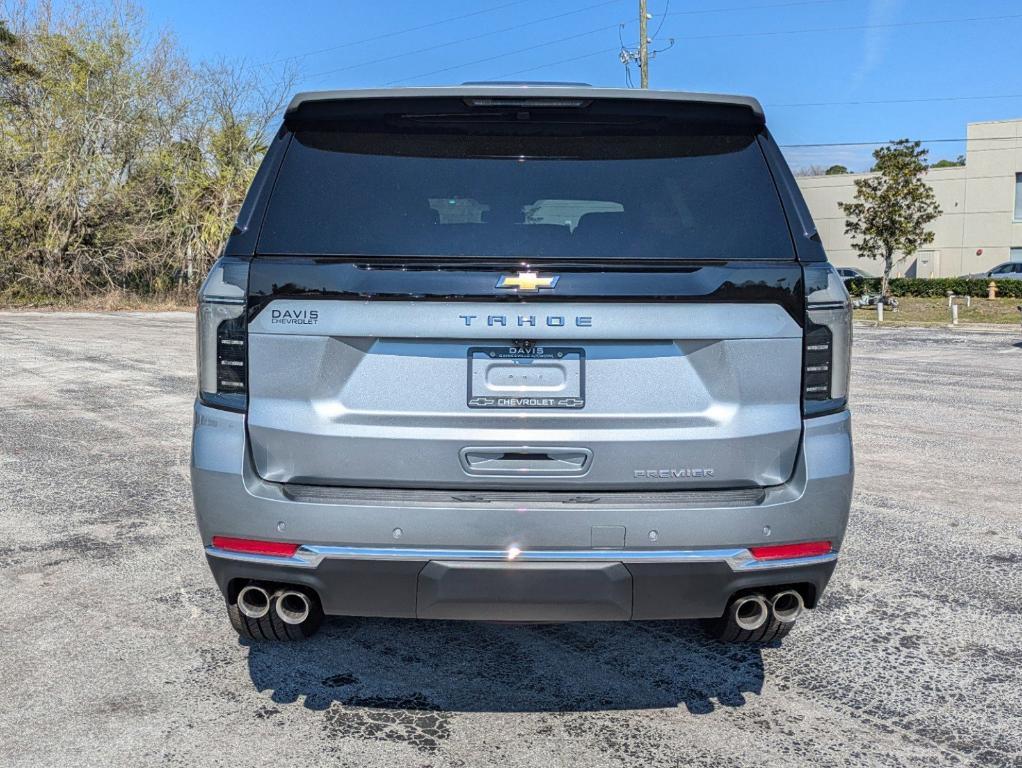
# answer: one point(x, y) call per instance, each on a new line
point(116, 649)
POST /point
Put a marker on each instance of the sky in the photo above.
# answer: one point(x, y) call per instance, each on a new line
point(818, 66)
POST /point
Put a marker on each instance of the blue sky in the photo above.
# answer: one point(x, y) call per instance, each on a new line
point(785, 52)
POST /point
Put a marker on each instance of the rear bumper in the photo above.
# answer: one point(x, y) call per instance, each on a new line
point(542, 562)
point(595, 590)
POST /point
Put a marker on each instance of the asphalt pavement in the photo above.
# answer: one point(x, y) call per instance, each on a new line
point(115, 649)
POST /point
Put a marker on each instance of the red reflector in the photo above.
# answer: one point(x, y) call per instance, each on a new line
point(784, 551)
point(255, 547)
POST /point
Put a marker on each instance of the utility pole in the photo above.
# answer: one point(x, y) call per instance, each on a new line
point(643, 46)
point(641, 56)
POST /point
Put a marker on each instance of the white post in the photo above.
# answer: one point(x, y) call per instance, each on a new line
point(968, 300)
point(880, 312)
point(954, 314)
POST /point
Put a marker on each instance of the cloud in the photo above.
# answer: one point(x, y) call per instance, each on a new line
point(876, 42)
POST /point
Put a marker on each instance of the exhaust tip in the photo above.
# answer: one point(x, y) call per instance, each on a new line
point(787, 605)
point(254, 601)
point(292, 607)
point(750, 612)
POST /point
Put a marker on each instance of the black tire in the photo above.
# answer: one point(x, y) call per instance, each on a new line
point(271, 628)
point(725, 630)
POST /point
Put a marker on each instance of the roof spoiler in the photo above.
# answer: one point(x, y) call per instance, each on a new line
point(326, 104)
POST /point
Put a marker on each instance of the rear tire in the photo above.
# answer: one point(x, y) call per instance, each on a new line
point(271, 628)
point(725, 630)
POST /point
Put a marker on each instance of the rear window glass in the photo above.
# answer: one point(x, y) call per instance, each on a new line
point(679, 196)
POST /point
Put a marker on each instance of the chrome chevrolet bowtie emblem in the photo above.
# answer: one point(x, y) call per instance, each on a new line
point(527, 281)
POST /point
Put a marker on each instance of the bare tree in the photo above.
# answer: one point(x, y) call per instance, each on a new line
point(811, 170)
point(118, 158)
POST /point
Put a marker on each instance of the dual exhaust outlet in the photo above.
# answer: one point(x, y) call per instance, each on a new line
point(752, 611)
point(290, 605)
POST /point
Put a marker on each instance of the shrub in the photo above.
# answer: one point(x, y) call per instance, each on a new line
point(122, 165)
point(935, 287)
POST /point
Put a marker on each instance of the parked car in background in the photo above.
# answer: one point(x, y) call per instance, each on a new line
point(848, 273)
point(1009, 270)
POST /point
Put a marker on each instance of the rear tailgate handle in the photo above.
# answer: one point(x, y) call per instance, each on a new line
point(517, 461)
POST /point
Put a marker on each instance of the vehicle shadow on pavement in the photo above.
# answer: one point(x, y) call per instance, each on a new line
point(385, 665)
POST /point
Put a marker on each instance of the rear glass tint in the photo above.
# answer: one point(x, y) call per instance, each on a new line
point(390, 193)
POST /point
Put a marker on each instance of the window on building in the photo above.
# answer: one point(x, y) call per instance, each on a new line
point(1016, 255)
point(1018, 197)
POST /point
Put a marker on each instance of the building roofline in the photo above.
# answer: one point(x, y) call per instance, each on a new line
point(994, 122)
point(837, 178)
point(531, 91)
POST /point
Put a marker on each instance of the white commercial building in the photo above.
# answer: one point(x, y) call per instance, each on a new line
point(981, 223)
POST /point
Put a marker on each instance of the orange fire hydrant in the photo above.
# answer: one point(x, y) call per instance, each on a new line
point(992, 290)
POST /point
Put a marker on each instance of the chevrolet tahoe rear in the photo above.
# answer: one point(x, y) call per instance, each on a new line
point(522, 354)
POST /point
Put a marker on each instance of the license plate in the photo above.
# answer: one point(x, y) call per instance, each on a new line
point(526, 377)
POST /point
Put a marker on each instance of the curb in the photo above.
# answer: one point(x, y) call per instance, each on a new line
point(1011, 329)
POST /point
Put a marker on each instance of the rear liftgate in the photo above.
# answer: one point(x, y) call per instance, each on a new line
point(563, 393)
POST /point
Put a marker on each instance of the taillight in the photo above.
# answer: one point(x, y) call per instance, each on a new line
point(828, 342)
point(789, 551)
point(222, 336)
point(255, 546)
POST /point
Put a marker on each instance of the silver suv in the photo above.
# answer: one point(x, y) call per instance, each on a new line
point(522, 354)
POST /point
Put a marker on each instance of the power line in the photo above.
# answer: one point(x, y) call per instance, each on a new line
point(591, 54)
point(502, 55)
point(603, 29)
point(626, 57)
point(775, 33)
point(763, 7)
point(395, 33)
point(879, 143)
point(459, 41)
point(439, 22)
point(663, 18)
point(856, 27)
point(915, 100)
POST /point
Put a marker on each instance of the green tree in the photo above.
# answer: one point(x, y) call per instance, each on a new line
point(945, 163)
point(893, 207)
point(836, 170)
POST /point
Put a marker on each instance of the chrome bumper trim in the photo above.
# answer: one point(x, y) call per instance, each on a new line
point(310, 556)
